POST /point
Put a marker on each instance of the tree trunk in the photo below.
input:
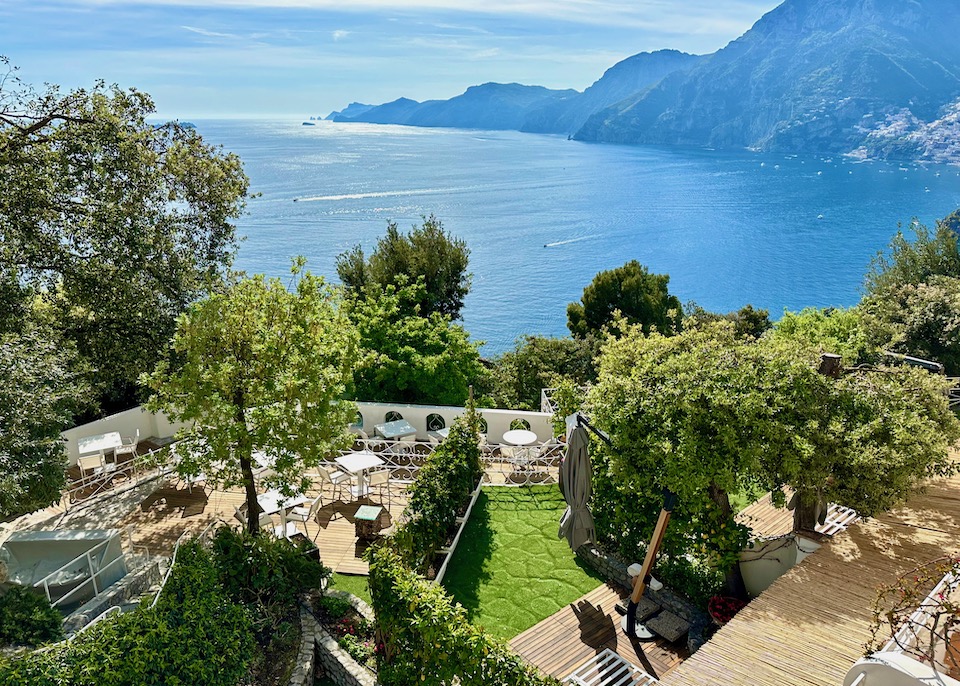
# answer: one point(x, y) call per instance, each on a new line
point(245, 455)
point(805, 511)
point(734, 580)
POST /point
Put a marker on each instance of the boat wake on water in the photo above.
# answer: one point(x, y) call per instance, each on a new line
point(569, 240)
point(378, 194)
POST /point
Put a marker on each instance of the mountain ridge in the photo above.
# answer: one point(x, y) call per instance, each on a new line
point(858, 77)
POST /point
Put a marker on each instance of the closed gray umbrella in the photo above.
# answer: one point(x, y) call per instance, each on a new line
point(577, 522)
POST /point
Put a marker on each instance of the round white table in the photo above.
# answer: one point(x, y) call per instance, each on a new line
point(519, 437)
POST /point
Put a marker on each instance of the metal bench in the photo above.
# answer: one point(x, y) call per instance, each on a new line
point(609, 669)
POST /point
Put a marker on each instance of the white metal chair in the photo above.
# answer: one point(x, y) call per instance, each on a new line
point(335, 478)
point(127, 447)
point(381, 481)
point(305, 514)
point(264, 520)
point(89, 464)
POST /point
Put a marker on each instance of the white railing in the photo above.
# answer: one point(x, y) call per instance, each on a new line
point(122, 475)
point(93, 571)
point(173, 558)
point(547, 403)
point(908, 636)
point(503, 464)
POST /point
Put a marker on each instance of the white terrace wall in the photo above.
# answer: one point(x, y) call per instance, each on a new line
point(126, 423)
point(159, 426)
point(498, 421)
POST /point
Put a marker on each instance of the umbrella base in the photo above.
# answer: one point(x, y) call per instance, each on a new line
point(641, 630)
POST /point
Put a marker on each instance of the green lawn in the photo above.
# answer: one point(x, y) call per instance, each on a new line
point(352, 583)
point(510, 570)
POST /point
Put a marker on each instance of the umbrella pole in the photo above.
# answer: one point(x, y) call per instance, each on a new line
point(640, 581)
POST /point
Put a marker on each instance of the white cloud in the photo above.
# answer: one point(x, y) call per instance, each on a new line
point(674, 16)
point(339, 33)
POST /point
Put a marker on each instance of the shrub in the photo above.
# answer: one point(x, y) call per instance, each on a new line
point(357, 648)
point(28, 619)
point(194, 635)
point(265, 573)
point(443, 484)
point(427, 638)
point(332, 607)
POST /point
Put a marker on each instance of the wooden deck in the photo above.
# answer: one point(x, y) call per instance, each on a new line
point(565, 640)
point(811, 625)
point(171, 509)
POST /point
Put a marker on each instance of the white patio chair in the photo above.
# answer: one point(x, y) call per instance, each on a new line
point(127, 446)
point(381, 481)
point(89, 464)
point(264, 520)
point(287, 530)
point(335, 478)
point(306, 514)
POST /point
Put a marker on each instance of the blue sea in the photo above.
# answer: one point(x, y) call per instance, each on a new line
point(542, 215)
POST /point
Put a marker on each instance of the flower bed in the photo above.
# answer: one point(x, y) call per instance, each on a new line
point(352, 632)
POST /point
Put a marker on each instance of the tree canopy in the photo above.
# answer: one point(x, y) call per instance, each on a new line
point(641, 298)
point(258, 367)
point(538, 362)
point(912, 299)
point(707, 414)
point(113, 222)
point(428, 252)
point(41, 389)
point(407, 358)
point(930, 254)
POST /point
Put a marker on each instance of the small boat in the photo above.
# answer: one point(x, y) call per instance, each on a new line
point(309, 123)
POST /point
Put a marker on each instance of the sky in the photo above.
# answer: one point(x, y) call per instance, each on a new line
point(297, 58)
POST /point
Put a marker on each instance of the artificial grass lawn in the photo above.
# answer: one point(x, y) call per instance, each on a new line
point(510, 570)
point(352, 583)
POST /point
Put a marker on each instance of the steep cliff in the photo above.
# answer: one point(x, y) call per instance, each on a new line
point(809, 75)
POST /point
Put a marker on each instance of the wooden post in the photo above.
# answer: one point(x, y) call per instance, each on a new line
point(646, 569)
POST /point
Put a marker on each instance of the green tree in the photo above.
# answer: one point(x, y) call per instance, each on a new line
point(748, 322)
point(259, 368)
point(706, 414)
point(694, 413)
point(428, 252)
point(41, 390)
point(911, 262)
point(115, 222)
point(407, 358)
point(640, 297)
point(919, 319)
point(538, 362)
point(839, 331)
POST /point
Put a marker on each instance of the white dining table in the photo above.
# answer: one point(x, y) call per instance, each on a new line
point(358, 463)
point(99, 443)
point(273, 502)
point(519, 437)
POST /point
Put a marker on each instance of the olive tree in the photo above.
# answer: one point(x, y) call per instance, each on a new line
point(116, 223)
point(258, 367)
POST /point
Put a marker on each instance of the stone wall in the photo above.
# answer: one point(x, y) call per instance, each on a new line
point(319, 649)
point(609, 566)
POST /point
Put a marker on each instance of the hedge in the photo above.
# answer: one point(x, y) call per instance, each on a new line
point(426, 636)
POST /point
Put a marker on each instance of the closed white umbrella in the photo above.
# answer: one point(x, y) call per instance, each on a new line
point(576, 525)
